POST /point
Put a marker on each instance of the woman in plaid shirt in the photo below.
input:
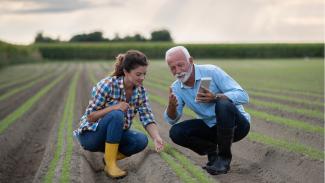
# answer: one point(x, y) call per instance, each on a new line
point(115, 100)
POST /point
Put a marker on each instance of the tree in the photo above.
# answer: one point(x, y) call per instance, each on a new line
point(161, 35)
point(91, 37)
point(42, 39)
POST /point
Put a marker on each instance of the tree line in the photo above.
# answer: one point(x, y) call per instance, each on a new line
point(162, 35)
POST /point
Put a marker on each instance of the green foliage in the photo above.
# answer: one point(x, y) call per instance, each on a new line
point(161, 35)
point(91, 37)
point(42, 39)
point(13, 54)
point(110, 50)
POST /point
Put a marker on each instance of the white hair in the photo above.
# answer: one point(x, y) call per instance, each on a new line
point(176, 48)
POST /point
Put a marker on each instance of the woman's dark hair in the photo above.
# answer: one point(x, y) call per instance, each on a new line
point(129, 61)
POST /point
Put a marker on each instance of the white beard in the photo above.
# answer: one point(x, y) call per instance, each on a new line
point(184, 76)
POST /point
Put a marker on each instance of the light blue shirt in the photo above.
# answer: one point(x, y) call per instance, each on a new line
point(221, 83)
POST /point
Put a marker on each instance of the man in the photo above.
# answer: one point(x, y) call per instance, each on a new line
point(221, 119)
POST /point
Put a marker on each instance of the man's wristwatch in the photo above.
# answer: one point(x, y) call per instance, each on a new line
point(216, 97)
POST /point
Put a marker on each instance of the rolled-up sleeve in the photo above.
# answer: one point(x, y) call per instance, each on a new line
point(145, 113)
point(230, 88)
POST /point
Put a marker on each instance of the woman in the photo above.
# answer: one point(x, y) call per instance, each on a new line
point(115, 100)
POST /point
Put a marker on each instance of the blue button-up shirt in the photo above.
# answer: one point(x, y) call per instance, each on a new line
point(221, 83)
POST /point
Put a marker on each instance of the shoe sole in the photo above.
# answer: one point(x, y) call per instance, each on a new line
point(212, 172)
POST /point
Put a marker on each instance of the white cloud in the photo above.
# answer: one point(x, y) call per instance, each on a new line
point(188, 20)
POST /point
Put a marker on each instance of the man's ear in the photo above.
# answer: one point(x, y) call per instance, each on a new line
point(191, 60)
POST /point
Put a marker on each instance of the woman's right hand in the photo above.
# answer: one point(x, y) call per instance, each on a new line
point(123, 106)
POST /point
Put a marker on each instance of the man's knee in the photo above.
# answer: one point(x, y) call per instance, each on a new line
point(223, 106)
point(177, 134)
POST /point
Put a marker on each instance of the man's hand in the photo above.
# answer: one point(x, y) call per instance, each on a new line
point(205, 96)
point(172, 104)
point(172, 99)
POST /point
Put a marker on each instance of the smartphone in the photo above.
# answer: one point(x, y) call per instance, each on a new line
point(204, 83)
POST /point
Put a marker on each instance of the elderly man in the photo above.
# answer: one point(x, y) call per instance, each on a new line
point(221, 119)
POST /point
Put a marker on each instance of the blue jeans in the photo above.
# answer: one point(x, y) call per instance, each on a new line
point(110, 130)
point(200, 138)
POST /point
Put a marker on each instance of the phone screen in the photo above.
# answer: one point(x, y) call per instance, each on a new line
point(204, 83)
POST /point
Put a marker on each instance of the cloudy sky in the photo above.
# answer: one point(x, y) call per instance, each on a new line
point(189, 21)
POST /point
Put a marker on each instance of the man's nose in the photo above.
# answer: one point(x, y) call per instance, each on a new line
point(178, 70)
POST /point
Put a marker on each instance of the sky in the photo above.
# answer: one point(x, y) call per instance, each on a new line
point(189, 21)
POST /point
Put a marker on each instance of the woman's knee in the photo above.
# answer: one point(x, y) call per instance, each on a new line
point(136, 143)
point(142, 141)
point(116, 115)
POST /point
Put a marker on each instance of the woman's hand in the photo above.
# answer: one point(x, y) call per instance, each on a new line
point(159, 144)
point(123, 106)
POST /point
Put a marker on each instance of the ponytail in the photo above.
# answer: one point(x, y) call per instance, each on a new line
point(118, 66)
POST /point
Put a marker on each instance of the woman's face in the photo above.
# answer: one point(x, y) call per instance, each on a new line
point(137, 75)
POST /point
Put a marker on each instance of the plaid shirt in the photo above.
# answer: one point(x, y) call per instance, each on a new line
point(110, 91)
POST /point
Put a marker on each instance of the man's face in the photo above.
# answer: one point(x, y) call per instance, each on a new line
point(178, 64)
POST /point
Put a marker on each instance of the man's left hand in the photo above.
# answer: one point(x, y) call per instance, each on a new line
point(205, 96)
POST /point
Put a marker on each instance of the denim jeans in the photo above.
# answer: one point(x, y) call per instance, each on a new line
point(200, 138)
point(110, 130)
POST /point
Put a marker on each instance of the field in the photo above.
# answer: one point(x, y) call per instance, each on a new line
point(42, 103)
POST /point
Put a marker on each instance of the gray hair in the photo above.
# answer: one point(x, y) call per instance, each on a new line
point(176, 48)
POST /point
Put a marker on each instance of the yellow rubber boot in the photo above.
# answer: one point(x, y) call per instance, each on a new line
point(120, 156)
point(111, 167)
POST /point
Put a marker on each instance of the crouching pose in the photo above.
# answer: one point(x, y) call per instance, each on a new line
point(115, 100)
point(221, 119)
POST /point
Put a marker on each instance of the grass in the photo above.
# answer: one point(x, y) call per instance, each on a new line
point(21, 110)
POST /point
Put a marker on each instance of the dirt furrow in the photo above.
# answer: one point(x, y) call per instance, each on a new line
point(10, 104)
point(26, 139)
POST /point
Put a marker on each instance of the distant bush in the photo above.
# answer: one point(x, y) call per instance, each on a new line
point(13, 54)
point(157, 50)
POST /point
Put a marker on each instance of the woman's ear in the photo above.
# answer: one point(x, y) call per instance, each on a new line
point(125, 72)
